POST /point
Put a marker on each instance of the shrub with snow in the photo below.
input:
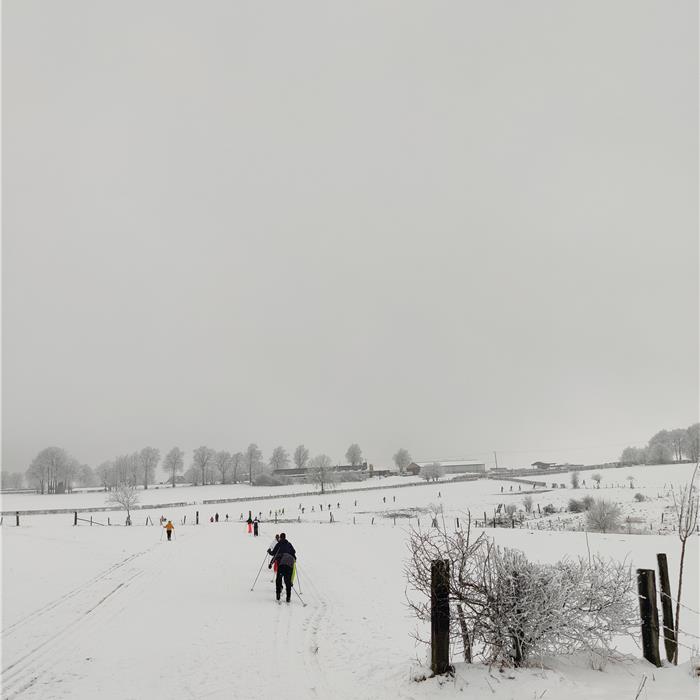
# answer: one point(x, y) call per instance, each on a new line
point(507, 609)
point(603, 516)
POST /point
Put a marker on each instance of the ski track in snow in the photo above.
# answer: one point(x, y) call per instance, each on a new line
point(72, 617)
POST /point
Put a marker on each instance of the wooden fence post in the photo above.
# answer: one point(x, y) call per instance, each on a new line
point(667, 608)
point(646, 588)
point(17, 516)
point(439, 617)
point(458, 523)
point(109, 521)
point(372, 521)
point(75, 518)
point(196, 519)
point(91, 521)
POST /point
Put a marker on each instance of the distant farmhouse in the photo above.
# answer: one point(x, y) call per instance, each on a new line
point(451, 466)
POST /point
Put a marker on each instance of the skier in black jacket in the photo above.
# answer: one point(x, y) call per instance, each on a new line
point(285, 555)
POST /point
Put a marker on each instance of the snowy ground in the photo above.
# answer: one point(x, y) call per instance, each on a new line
point(115, 612)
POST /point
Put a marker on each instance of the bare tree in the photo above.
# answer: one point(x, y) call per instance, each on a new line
point(597, 477)
point(301, 457)
point(47, 468)
point(402, 459)
point(686, 505)
point(634, 455)
point(691, 442)
point(528, 503)
point(223, 464)
point(126, 496)
point(253, 460)
point(148, 461)
point(236, 464)
point(630, 478)
point(174, 463)
point(127, 469)
point(105, 475)
point(321, 472)
point(676, 439)
point(11, 480)
point(279, 458)
point(431, 472)
point(575, 479)
point(660, 448)
point(86, 476)
point(603, 516)
point(354, 455)
point(203, 461)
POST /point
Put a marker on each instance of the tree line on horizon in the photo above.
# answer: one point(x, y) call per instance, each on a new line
point(55, 470)
point(666, 447)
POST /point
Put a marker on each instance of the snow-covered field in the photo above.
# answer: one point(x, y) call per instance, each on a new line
point(116, 612)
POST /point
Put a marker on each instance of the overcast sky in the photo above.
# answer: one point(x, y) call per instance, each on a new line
point(455, 227)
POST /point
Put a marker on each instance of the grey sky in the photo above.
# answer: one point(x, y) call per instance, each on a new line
point(454, 227)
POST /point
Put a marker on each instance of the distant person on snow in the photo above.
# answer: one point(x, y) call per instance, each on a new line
point(250, 523)
point(285, 555)
point(169, 529)
point(255, 527)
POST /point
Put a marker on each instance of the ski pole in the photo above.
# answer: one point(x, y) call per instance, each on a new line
point(259, 570)
point(300, 598)
point(299, 580)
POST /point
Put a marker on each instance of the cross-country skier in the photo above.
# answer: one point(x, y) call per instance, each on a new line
point(255, 527)
point(250, 522)
point(285, 555)
point(169, 529)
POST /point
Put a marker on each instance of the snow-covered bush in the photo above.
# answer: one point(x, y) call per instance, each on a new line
point(603, 516)
point(549, 509)
point(576, 506)
point(507, 609)
point(528, 503)
point(639, 497)
point(587, 501)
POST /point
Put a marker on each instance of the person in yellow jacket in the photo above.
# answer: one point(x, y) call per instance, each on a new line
point(169, 529)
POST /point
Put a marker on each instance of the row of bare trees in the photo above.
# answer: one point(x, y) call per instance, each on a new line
point(666, 446)
point(54, 470)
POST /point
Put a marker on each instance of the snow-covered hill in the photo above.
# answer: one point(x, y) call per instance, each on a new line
point(116, 612)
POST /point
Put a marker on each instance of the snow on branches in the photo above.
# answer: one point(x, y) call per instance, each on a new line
point(507, 609)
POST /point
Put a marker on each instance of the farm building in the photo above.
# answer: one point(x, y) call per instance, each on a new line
point(452, 466)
